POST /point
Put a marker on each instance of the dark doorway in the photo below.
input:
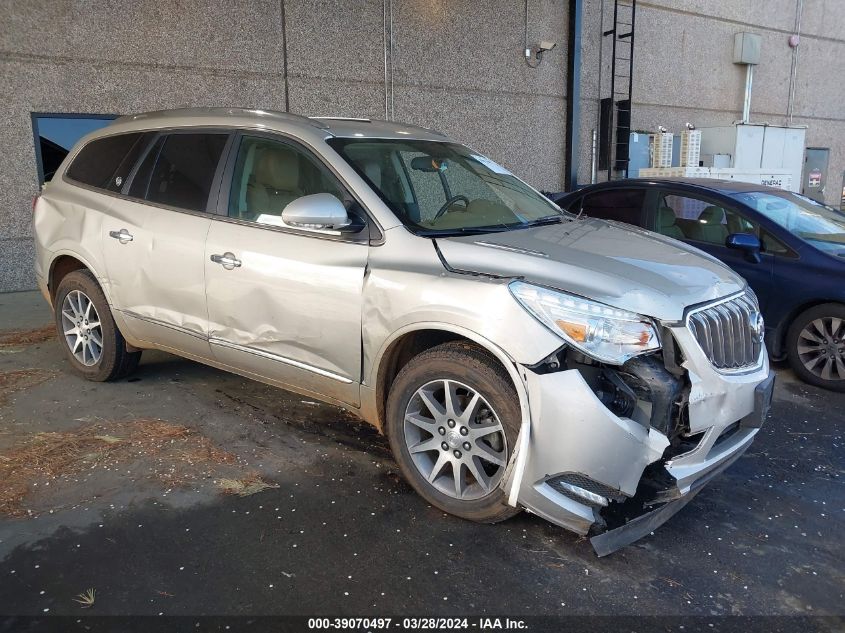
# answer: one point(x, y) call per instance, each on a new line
point(56, 134)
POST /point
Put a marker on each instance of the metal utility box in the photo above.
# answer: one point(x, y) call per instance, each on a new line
point(756, 146)
point(715, 160)
point(747, 48)
point(814, 179)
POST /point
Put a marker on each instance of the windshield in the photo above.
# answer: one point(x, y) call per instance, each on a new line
point(436, 188)
point(822, 226)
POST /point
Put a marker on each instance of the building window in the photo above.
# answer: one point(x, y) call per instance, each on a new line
point(56, 134)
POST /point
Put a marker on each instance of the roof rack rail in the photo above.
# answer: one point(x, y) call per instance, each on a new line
point(341, 118)
point(221, 111)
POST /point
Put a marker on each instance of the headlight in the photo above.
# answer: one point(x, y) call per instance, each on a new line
point(600, 331)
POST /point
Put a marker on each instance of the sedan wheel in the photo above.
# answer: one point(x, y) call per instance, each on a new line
point(815, 346)
point(455, 439)
point(821, 348)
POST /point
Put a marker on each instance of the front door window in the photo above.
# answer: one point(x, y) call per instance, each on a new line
point(269, 175)
point(701, 220)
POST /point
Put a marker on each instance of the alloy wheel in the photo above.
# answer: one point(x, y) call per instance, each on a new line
point(81, 328)
point(455, 439)
point(821, 348)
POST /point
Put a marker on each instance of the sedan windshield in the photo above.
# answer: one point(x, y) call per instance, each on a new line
point(822, 226)
point(438, 188)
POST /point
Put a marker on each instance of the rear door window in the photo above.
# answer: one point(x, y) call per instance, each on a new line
point(622, 205)
point(105, 162)
point(179, 170)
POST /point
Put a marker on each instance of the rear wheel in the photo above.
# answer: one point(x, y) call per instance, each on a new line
point(452, 420)
point(816, 346)
point(91, 341)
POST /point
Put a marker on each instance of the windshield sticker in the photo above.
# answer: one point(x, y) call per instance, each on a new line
point(491, 165)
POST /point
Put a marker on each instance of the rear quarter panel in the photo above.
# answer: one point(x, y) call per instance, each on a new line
point(68, 221)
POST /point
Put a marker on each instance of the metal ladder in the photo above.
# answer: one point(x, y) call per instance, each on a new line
point(621, 80)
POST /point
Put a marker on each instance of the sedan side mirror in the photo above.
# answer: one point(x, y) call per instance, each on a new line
point(749, 244)
point(316, 212)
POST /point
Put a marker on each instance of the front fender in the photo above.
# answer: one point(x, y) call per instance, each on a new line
point(407, 289)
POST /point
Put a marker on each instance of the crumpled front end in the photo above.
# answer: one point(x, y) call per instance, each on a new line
point(615, 451)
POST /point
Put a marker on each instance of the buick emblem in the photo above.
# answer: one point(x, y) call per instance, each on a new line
point(758, 328)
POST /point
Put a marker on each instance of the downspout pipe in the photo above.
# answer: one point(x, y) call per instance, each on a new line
point(793, 71)
point(749, 85)
point(573, 94)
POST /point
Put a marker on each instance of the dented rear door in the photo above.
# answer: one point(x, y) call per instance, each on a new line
point(154, 240)
point(154, 261)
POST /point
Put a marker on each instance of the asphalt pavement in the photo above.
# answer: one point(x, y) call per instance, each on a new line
point(153, 522)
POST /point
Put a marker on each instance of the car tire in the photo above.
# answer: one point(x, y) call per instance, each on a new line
point(815, 346)
point(87, 332)
point(472, 445)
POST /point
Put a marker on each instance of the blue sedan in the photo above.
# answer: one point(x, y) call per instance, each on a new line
point(791, 249)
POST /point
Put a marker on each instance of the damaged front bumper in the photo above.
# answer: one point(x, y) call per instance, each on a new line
point(617, 477)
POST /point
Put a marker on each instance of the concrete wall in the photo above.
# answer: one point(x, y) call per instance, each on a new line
point(455, 65)
point(126, 56)
point(684, 71)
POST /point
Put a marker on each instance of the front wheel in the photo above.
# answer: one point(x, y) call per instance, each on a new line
point(816, 346)
point(90, 338)
point(452, 420)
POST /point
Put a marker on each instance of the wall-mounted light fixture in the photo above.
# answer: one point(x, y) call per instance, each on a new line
point(534, 54)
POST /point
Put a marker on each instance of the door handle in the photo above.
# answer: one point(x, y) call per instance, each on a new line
point(227, 260)
point(123, 236)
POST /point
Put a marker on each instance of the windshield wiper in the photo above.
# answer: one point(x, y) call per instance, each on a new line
point(547, 219)
point(469, 230)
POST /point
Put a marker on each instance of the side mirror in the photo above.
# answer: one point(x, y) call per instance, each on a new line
point(318, 211)
point(749, 244)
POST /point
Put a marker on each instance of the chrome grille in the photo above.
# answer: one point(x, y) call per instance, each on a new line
point(729, 332)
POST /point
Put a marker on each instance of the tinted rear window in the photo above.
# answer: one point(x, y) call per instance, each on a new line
point(179, 170)
point(624, 205)
point(105, 162)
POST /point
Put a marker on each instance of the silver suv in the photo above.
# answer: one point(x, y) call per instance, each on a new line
point(514, 355)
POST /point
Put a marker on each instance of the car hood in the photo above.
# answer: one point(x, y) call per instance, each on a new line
point(617, 264)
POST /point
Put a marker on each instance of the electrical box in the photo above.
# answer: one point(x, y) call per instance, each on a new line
point(747, 48)
point(756, 147)
point(814, 180)
point(715, 160)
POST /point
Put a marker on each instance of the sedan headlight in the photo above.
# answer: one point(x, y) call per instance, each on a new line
point(600, 331)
